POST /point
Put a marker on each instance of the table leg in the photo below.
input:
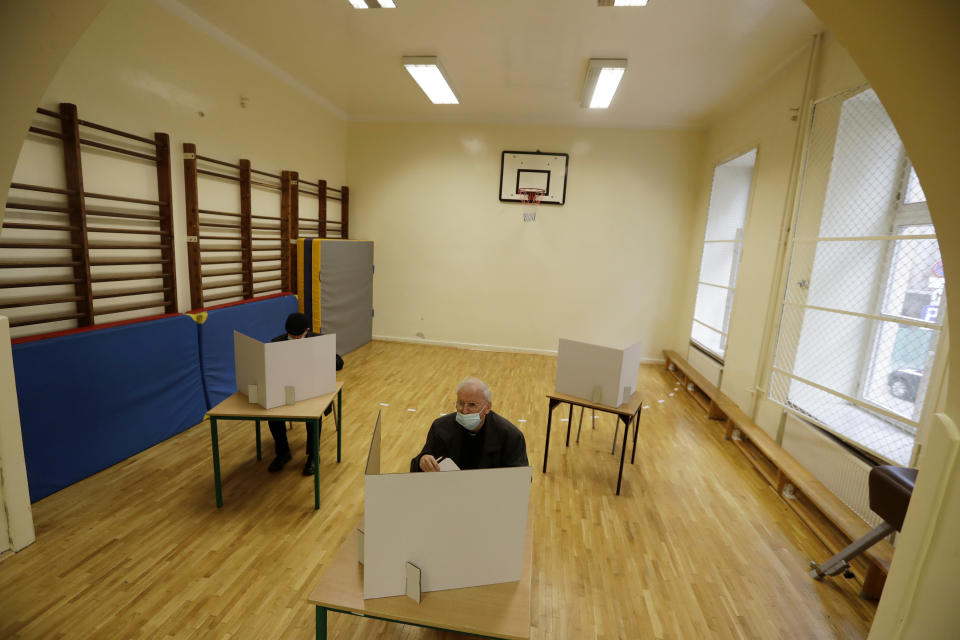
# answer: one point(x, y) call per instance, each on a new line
point(636, 429)
point(339, 419)
point(321, 623)
point(623, 451)
point(216, 461)
point(569, 419)
point(580, 425)
point(546, 445)
point(259, 454)
point(315, 425)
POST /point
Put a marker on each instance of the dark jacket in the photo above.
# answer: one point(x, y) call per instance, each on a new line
point(503, 445)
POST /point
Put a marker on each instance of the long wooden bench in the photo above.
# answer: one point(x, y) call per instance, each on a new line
point(833, 522)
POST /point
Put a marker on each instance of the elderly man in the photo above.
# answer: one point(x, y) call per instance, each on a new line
point(474, 437)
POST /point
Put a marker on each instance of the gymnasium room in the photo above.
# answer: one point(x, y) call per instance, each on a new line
point(749, 204)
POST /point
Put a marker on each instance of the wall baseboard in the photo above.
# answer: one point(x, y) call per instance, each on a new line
point(488, 347)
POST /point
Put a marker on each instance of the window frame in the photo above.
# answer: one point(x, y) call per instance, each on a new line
point(904, 215)
point(737, 254)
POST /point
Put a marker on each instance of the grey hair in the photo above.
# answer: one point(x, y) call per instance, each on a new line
point(476, 382)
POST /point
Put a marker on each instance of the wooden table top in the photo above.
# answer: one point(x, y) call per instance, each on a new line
point(495, 610)
point(237, 405)
point(628, 408)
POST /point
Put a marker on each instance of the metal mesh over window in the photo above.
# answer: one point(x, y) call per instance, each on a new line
point(862, 309)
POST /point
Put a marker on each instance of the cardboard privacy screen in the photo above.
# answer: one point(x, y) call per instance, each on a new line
point(605, 375)
point(461, 528)
point(308, 366)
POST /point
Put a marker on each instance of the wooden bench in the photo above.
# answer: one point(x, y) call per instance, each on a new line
point(833, 522)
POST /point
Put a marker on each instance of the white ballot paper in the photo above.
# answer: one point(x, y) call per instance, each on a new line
point(447, 464)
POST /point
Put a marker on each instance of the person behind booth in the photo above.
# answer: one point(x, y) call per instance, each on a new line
point(297, 327)
point(474, 437)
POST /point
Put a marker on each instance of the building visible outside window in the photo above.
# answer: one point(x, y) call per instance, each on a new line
point(864, 300)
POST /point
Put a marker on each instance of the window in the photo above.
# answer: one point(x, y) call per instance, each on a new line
point(722, 244)
point(861, 314)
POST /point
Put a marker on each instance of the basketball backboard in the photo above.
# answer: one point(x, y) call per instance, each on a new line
point(533, 170)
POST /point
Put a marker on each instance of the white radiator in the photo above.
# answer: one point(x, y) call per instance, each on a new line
point(707, 366)
point(839, 470)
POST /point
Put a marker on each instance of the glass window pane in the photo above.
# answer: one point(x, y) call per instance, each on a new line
point(711, 306)
point(915, 285)
point(708, 338)
point(914, 190)
point(717, 265)
point(901, 362)
point(729, 196)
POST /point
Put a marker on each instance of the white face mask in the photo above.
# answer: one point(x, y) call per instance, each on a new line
point(469, 421)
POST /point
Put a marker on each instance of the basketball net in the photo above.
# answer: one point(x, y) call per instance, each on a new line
point(529, 200)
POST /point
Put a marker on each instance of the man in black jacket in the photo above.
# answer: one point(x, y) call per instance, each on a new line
point(297, 327)
point(474, 437)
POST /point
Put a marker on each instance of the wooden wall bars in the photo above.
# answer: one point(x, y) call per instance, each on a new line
point(234, 254)
point(92, 243)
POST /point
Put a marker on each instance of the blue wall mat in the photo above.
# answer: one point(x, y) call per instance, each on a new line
point(260, 319)
point(89, 400)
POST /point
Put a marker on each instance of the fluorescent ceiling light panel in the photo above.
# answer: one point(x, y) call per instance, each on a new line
point(600, 85)
point(622, 3)
point(430, 76)
point(376, 4)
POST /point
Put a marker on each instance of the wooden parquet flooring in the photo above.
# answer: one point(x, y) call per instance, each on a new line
point(697, 546)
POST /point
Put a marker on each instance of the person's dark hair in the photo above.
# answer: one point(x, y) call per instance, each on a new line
point(297, 323)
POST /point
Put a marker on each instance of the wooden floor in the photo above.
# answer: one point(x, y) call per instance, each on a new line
point(697, 546)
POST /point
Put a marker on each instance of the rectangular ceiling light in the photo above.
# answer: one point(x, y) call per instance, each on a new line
point(622, 3)
point(603, 78)
point(373, 4)
point(428, 73)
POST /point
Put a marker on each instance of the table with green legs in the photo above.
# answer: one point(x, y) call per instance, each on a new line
point(309, 411)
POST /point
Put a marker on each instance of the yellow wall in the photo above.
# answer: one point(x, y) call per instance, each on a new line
point(456, 265)
point(765, 119)
point(908, 51)
point(911, 54)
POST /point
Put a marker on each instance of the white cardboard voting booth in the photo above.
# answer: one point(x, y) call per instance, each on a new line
point(605, 375)
point(307, 366)
point(460, 528)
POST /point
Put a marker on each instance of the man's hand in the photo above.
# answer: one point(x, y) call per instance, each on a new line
point(428, 463)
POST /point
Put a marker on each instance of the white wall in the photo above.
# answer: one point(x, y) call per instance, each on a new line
point(456, 265)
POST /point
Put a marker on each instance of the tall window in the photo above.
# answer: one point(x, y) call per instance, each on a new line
point(722, 244)
point(861, 315)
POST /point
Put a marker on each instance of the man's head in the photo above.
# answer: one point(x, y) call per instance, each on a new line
point(473, 397)
point(297, 326)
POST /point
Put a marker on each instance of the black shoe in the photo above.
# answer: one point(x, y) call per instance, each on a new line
point(279, 462)
point(308, 467)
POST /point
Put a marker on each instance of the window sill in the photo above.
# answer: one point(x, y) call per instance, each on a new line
point(864, 431)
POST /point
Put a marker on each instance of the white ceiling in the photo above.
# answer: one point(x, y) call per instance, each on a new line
point(515, 61)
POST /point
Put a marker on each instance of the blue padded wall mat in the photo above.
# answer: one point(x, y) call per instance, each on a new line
point(260, 319)
point(89, 400)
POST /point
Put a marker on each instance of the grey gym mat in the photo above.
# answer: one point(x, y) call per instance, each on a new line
point(346, 291)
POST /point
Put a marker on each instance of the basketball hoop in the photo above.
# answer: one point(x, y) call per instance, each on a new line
point(529, 199)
